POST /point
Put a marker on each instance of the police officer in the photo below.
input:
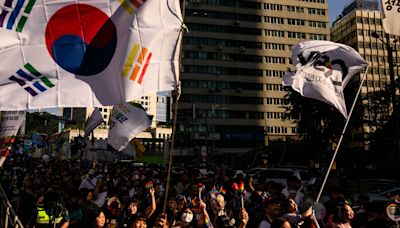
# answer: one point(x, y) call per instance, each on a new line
point(50, 214)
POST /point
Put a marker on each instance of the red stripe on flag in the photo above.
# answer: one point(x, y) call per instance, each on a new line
point(136, 3)
point(144, 68)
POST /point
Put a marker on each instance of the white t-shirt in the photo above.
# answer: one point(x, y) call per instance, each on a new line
point(88, 183)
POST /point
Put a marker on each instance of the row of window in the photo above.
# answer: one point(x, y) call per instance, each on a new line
point(274, 87)
point(246, 4)
point(222, 56)
point(232, 71)
point(200, 41)
point(226, 114)
point(296, 9)
point(251, 31)
point(230, 3)
point(221, 99)
point(218, 86)
point(214, 70)
point(235, 57)
point(221, 85)
point(294, 21)
point(277, 130)
point(378, 70)
point(223, 29)
point(251, 18)
point(223, 15)
point(371, 83)
point(314, 1)
point(275, 73)
point(275, 101)
point(274, 115)
point(295, 35)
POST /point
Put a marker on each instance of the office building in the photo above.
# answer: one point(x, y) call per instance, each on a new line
point(233, 60)
point(355, 27)
point(157, 106)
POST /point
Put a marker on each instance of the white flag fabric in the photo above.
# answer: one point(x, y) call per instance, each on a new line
point(94, 120)
point(126, 121)
point(391, 16)
point(11, 121)
point(86, 53)
point(323, 68)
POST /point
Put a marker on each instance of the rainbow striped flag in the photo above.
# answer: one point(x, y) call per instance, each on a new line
point(222, 190)
point(241, 187)
point(207, 222)
point(149, 184)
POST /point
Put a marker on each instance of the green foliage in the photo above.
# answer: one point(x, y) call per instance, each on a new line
point(319, 124)
point(41, 122)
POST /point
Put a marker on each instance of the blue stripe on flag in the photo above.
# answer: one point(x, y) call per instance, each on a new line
point(24, 75)
point(15, 13)
point(39, 86)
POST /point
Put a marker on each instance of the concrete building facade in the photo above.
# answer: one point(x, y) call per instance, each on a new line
point(233, 61)
point(359, 20)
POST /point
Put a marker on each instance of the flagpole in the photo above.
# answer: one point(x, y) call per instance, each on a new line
point(342, 134)
point(175, 96)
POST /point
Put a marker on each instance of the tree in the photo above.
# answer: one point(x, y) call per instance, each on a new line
point(319, 124)
point(41, 122)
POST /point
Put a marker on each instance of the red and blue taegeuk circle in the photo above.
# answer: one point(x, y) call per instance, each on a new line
point(81, 39)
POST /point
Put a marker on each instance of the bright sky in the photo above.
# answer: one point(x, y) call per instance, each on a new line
point(336, 8)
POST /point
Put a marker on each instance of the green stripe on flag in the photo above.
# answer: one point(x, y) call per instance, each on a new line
point(21, 23)
point(29, 7)
point(31, 69)
point(46, 81)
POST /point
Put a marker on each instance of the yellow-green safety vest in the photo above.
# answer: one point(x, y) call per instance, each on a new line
point(44, 218)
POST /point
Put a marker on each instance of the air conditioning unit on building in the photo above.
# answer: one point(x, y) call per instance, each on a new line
point(201, 45)
point(236, 22)
point(212, 90)
point(220, 47)
point(242, 48)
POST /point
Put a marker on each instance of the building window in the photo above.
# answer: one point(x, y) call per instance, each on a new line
point(274, 20)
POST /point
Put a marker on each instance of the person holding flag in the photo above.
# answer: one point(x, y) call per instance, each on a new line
point(323, 69)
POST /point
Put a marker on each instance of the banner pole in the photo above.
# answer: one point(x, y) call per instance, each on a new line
point(342, 134)
point(175, 99)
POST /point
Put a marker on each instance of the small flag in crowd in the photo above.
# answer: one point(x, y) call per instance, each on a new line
point(126, 121)
point(86, 54)
point(323, 68)
point(195, 203)
point(149, 184)
point(94, 120)
point(222, 190)
point(391, 16)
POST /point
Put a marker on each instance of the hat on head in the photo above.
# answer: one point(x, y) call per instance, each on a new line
point(239, 172)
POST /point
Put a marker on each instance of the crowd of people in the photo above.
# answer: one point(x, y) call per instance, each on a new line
point(50, 192)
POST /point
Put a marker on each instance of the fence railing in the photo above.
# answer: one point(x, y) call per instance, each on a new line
point(8, 218)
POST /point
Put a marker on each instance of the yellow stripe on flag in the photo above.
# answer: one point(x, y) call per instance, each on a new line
point(130, 59)
point(126, 6)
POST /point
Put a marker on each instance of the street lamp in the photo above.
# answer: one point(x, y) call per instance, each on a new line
point(392, 87)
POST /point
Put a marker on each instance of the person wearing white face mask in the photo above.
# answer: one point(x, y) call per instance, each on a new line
point(186, 219)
